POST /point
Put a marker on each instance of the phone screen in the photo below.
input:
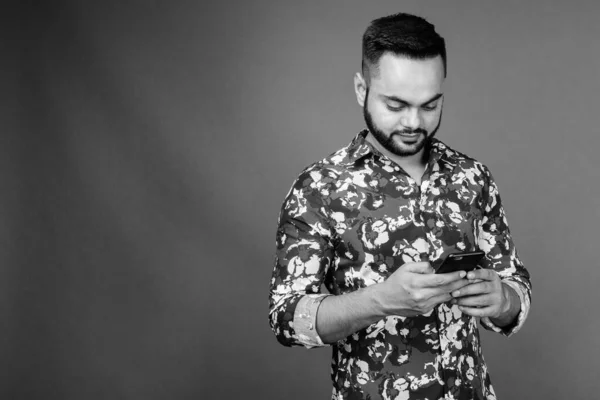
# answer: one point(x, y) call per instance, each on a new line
point(461, 262)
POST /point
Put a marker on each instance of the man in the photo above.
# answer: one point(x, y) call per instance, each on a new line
point(372, 223)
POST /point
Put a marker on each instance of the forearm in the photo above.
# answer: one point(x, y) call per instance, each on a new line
point(512, 309)
point(341, 316)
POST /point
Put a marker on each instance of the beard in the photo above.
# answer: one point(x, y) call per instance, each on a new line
point(391, 145)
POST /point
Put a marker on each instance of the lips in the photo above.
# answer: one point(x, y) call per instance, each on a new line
point(409, 137)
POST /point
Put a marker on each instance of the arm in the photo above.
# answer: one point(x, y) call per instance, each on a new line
point(412, 289)
point(303, 255)
point(341, 316)
point(503, 297)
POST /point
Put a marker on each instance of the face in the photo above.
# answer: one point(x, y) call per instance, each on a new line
point(402, 104)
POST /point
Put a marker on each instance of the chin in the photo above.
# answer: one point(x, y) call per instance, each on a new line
point(403, 149)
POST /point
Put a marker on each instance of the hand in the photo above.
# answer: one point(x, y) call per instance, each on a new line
point(485, 296)
point(415, 289)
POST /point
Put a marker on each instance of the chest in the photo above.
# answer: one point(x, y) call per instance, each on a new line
point(386, 218)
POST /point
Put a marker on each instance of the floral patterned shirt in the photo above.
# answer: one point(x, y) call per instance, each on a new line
point(353, 218)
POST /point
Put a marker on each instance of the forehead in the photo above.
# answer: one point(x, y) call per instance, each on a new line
point(413, 80)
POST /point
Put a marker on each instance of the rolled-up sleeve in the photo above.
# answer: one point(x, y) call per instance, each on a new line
point(501, 255)
point(304, 252)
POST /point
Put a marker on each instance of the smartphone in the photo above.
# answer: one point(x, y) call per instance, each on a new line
point(460, 262)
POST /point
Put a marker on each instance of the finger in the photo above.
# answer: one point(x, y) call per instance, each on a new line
point(477, 311)
point(422, 267)
point(475, 280)
point(450, 287)
point(457, 285)
point(473, 289)
point(441, 294)
point(440, 280)
point(474, 301)
point(439, 299)
point(483, 274)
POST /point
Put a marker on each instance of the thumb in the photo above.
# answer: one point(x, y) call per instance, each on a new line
point(422, 267)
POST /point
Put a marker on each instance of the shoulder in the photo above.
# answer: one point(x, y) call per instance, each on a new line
point(323, 173)
point(462, 163)
point(315, 186)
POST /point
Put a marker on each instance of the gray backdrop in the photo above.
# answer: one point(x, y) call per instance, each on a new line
point(146, 148)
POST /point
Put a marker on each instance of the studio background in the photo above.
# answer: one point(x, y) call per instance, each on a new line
point(147, 146)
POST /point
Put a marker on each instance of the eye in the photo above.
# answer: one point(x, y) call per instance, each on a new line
point(395, 108)
point(430, 107)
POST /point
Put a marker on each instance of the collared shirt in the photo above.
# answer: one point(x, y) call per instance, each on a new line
point(351, 220)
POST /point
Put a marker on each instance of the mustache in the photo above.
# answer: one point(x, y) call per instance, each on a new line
point(410, 131)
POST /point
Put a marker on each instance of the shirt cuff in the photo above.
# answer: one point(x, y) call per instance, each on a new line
point(305, 320)
point(521, 317)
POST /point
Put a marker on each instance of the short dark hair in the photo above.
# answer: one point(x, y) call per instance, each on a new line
point(401, 34)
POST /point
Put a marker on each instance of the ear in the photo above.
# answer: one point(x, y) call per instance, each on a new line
point(360, 88)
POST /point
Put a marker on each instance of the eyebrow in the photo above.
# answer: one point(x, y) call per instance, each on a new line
point(399, 100)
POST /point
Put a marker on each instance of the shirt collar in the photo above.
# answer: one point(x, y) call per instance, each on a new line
point(360, 148)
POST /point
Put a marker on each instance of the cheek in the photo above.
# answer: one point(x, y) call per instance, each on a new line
point(385, 119)
point(389, 121)
point(430, 120)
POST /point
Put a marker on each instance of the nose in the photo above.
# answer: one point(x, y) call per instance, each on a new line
point(411, 119)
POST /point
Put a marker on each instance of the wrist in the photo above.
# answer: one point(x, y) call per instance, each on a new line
point(507, 298)
point(510, 307)
point(376, 296)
